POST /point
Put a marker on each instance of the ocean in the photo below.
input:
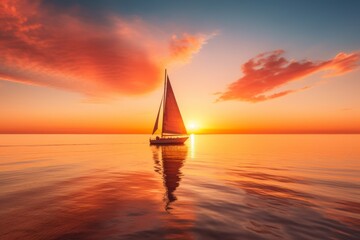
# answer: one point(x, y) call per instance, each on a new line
point(213, 187)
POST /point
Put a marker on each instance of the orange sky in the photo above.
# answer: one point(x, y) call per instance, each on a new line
point(75, 69)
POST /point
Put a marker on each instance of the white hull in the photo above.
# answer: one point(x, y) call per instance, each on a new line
point(168, 140)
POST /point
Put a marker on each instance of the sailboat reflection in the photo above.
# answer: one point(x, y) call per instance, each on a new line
point(169, 166)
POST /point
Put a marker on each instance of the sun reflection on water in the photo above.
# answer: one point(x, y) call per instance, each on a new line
point(192, 146)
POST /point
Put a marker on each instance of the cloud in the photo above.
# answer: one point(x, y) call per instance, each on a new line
point(48, 46)
point(270, 70)
point(182, 48)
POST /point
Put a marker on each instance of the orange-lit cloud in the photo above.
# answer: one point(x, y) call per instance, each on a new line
point(46, 46)
point(270, 70)
point(182, 48)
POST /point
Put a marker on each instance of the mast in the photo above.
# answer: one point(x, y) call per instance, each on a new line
point(164, 100)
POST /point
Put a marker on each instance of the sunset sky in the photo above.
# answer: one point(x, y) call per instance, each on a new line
point(235, 66)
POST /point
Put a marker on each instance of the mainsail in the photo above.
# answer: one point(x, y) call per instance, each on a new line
point(172, 120)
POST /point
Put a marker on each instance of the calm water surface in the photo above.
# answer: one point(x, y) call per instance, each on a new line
point(214, 187)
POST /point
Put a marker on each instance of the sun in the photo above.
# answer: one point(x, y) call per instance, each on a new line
point(192, 126)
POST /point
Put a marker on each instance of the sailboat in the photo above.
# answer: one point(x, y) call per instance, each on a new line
point(173, 130)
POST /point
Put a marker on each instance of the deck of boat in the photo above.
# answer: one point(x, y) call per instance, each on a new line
point(168, 140)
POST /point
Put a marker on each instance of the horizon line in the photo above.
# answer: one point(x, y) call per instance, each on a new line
point(195, 133)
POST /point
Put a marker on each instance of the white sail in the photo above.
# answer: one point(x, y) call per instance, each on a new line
point(172, 120)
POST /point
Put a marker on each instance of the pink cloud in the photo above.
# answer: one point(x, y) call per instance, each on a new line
point(270, 70)
point(44, 46)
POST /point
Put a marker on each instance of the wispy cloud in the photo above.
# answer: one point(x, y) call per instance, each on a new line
point(182, 48)
point(46, 46)
point(270, 70)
